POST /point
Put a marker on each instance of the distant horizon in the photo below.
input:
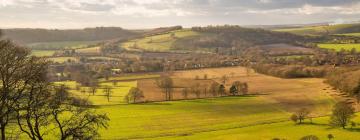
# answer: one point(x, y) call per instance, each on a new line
point(147, 28)
point(141, 14)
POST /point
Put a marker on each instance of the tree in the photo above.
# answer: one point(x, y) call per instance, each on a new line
point(221, 90)
point(224, 78)
point(205, 76)
point(185, 92)
point(214, 88)
point(32, 109)
point(300, 115)
point(195, 89)
point(233, 90)
point(107, 91)
point(18, 70)
point(244, 88)
point(342, 114)
point(72, 118)
point(134, 95)
point(166, 85)
point(310, 137)
point(330, 136)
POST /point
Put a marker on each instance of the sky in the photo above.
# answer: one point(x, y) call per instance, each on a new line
point(139, 14)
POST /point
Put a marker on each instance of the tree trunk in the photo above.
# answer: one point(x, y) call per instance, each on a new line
point(3, 137)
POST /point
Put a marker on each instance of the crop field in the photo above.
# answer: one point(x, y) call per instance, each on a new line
point(263, 113)
point(158, 42)
point(60, 45)
point(339, 47)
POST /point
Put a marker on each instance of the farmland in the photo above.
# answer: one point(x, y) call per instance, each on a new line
point(266, 108)
point(323, 29)
point(60, 45)
point(339, 47)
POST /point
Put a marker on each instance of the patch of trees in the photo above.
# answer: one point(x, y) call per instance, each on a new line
point(290, 71)
point(346, 80)
point(30, 103)
point(87, 34)
point(162, 30)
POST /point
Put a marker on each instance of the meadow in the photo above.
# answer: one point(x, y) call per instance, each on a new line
point(159, 43)
point(339, 47)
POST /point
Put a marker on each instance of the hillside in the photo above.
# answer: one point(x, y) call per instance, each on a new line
point(323, 29)
point(27, 36)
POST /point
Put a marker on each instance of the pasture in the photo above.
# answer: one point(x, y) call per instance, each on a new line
point(159, 43)
point(321, 30)
point(339, 47)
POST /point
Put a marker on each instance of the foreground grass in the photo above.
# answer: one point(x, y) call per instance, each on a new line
point(339, 47)
point(154, 120)
point(282, 130)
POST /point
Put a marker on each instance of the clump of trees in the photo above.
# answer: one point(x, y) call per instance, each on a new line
point(28, 99)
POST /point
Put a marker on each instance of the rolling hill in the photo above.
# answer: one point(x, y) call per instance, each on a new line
point(323, 29)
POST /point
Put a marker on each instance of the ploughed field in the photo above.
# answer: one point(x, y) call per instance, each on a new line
point(262, 114)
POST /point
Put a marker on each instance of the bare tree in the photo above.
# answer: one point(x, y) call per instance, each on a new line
point(185, 92)
point(301, 115)
point(221, 90)
point(134, 95)
point(107, 91)
point(214, 88)
point(224, 79)
point(342, 114)
point(165, 83)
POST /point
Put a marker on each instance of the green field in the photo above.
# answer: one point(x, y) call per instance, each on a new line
point(317, 30)
point(339, 47)
point(351, 34)
point(62, 59)
point(60, 45)
point(42, 53)
point(158, 42)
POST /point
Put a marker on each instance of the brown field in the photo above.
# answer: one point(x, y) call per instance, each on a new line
point(280, 49)
point(291, 94)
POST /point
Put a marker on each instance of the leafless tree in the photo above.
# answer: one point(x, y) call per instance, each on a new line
point(134, 95)
point(107, 91)
point(165, 83)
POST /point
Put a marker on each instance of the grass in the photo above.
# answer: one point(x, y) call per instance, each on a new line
point(160, 43)
point(339, 47)
point(351, 34)
point(131, 77)
point(118, 92)
point(175, 118)
point(62, 59)
point(60, 45)
point(282, 130)
point(42, 53)
point(316, 30)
